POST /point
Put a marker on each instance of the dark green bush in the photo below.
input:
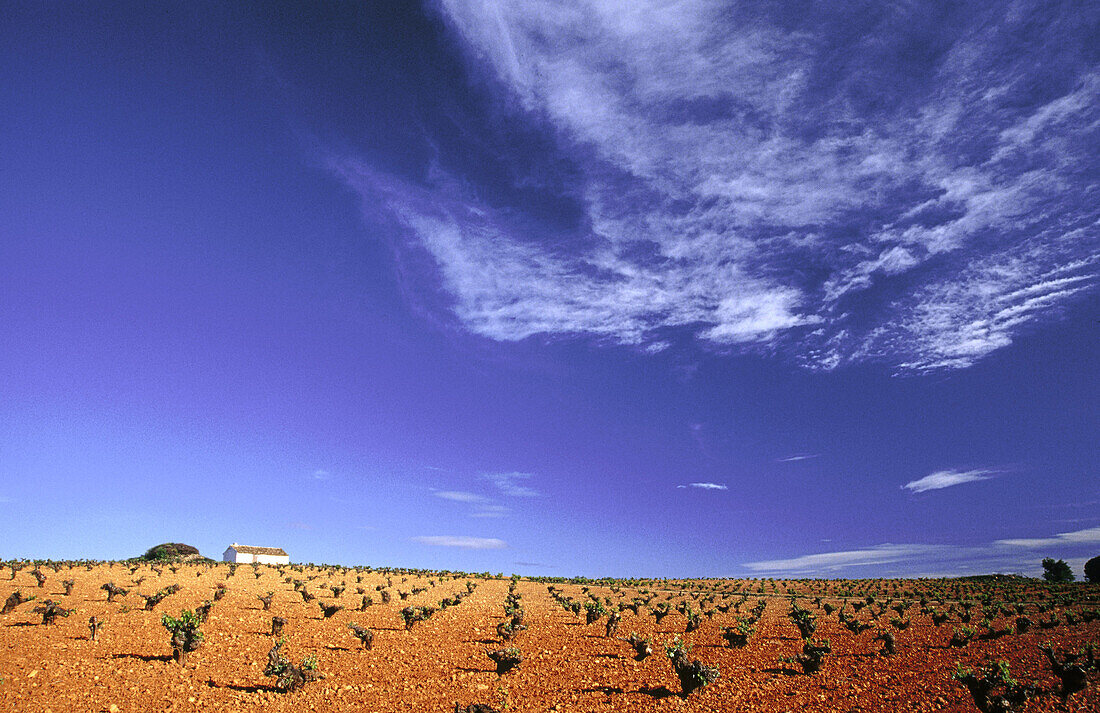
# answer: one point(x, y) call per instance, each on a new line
point(168, 551)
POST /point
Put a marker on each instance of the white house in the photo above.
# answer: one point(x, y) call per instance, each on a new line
point(243, 554)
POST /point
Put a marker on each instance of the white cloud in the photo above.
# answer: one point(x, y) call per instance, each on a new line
point(1087, 536)
point(511, 484)
point(791, 459)
point(710, 206)
point(483, 507)
point(952, 325)
point(945, 479)
point(490, 510)
point(829, 561)
point(912, 560)
point(459, 496)
point(1003, 556)
point(705, 486)
point(462, 541)
point(320, 475)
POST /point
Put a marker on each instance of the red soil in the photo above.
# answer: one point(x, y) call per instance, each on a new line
point(567, 666)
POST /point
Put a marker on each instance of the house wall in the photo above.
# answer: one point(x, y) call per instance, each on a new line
point(231, 555)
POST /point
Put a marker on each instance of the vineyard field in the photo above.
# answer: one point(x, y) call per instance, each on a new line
point(429, 644)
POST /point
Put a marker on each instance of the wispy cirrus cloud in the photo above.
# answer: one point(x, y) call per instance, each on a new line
point(705, 486)
point(736, 185)
point(462, 541)
point(943, 560)
point(1088, 536)
point(511, 484)
point(794, 458)
point(946, 479)
point(487, 510)
point(830, 561)
point(459, 496)
point(483, 507)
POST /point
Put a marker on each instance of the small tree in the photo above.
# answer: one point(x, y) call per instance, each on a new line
point(961, 637)
point(186, 636)
point(411, 615)
point(505, 659)
point(202, 611)
point(738, 636)
point(992, 687)
point(507, 630)
point(94, 626)
point(364, 635)
point(641, 646)
point(812, 656)
point(692, 674)
point(475, 708)
point(900, 624)
point(152, 600)
point(266, 600)
point(1057, 571)
point(593, 611)
point(612, 626)
point(887, 639)
point(693, 620)
point(277, 624)
point(1092, 570)
point(15, 599)
point(804, 620)
point(1072, 669)
point(289, 677)
point(50, 610)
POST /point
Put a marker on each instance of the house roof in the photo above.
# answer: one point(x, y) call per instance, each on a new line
point(248, 550)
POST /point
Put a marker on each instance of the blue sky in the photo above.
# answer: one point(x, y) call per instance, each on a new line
point(663, 289)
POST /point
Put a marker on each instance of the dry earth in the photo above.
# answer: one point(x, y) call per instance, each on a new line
point(567, 664)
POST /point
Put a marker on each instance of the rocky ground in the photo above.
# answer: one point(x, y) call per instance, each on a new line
point(567, 665)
